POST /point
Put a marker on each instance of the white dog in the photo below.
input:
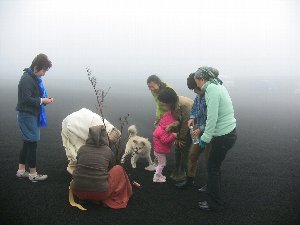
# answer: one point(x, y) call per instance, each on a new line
point(138, 147)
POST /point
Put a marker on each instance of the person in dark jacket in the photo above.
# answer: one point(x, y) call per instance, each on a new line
point(96, 177)
point(32, 97)
point(197, 122)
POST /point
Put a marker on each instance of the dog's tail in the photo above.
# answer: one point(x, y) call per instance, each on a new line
point(132, 131)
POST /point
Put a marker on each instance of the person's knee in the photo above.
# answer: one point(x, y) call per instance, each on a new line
point(192, 160)
point(193, 155)
point(162, 163)
point(117, 168)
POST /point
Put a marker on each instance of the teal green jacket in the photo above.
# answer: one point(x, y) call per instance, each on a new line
point(220, 113)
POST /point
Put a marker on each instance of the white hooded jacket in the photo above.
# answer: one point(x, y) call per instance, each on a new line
point(75, 129)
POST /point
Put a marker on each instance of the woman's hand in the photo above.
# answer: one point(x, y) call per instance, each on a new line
point(191, 122)
point(179, 144)
point(196, 133)
point(47, 100)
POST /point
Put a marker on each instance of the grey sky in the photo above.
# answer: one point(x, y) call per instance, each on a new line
point(139, 38)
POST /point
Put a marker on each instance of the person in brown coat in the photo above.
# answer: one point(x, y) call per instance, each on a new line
point(180, 108)
point(96, 177)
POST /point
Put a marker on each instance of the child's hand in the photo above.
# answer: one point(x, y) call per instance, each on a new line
point(179, 144)
point(173, 127)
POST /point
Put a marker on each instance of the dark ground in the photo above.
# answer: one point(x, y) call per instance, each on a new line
point(260, 176)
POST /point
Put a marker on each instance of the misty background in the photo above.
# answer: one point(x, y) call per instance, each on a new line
point(254, 45)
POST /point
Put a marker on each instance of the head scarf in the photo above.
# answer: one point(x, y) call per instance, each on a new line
point(208, 73)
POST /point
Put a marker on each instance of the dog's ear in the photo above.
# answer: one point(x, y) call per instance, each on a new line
point(143, 143)
point(134, 141)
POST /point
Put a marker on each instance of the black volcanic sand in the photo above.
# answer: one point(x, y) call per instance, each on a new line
point(260, 176)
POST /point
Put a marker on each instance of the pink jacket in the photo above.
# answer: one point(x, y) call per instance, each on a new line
point(162, 140)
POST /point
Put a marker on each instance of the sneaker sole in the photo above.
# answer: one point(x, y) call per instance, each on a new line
point(205, 209)
point(21, 178)
point(36, 181)
point(156, 181)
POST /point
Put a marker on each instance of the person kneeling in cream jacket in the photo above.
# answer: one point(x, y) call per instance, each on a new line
point(75, 129)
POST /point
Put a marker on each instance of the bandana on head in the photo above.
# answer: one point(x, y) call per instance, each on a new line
point(208, 73)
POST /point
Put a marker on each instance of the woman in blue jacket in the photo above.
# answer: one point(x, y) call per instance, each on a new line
point(32, 97)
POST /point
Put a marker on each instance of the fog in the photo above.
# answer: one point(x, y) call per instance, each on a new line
point(254, 44)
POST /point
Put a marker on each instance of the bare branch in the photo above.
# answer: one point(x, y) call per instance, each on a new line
point(100, 97)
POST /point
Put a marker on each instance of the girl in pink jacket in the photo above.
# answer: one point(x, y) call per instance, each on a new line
point(162, 143)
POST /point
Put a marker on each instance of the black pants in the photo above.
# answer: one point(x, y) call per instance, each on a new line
point(28, 154)
point(219, 148)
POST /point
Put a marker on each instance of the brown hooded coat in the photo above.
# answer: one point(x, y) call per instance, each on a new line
point(94, 160)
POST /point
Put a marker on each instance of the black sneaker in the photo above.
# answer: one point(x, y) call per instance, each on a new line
point(186, 183)
point(203, 189)
point(204, 206)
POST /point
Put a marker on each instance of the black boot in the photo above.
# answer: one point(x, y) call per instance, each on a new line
point(186, 183)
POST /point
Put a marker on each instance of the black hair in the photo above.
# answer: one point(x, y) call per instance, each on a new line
point(155, 79)
point(191, 83)
point(168, 96)
point(41, 61)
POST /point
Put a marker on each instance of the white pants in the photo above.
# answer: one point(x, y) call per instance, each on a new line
point(162, 160)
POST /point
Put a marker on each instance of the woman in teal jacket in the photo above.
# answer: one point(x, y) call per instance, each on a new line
point(220, 131)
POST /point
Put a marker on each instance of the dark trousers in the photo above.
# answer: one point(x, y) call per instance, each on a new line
point(28, 154)
point(182, 155)
point(219, 148)
point(193, 158)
